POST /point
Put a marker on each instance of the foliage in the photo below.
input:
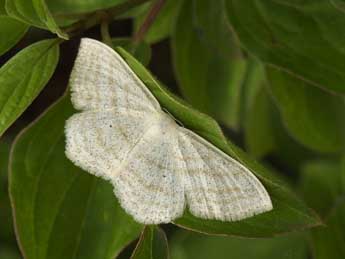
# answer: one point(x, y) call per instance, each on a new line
point(271, 73)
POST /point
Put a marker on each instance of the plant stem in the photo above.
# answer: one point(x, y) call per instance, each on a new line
point(95, 18)
point(106, 38)
point(151, 16)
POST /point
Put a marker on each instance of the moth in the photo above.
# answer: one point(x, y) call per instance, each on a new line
point(156, 166)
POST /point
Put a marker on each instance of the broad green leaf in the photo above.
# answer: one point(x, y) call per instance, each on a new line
point(4, 155)
point(289, 212)
point(253, 81)
point(46, 17)
point(6, 226)
point(164, 22)
point(142, 52)
point(80, 6)
point(11, 31)
point(208, 63)
point(34, 12)
point(294, 36)
point(153, 244)
point(61, 211)
point(314, 117)
point(324, 190)
point(185, 245)
point(24, 11)
point(260, 137)
point(321, 184)
point(23, 77)
point(265, 135)
point(328, 242)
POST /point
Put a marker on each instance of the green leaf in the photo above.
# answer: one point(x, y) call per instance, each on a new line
point(61, 211)
point(324, 189)
point(314, 117)
point(321, 184)
point(289, 212)
point(264, 133)
point(80, 6)
point(11, 31)
point(328, 242)
point(34, 12)
point(24, 11)
point(142, 52)
point(164, 22)
point(6, 226)
point(260, 137)
point(253, 81)
point(153, 244)
point(4, 155)
point(294, 36)
point(23, 77)
point(185, 245)
point(47, 18)
point(208, 63)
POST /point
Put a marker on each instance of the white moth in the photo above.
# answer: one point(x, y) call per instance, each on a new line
point(156, 166)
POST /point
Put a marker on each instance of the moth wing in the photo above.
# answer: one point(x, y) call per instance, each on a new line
point(99, 141)
point(149, 185)
point(216, 185)
point(101, 79)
